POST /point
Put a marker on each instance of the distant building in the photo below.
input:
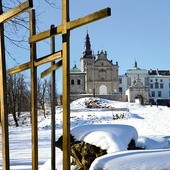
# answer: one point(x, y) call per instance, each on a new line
point(99, 76)
point(159, 86)
point(135, 84)
point(77, 78)
point(147, 86)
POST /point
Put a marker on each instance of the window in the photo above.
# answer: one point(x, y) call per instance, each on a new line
point(159, 94)
point(72, 82)
point(151, 86)
point(120, 80)
point(78, 82)
point(153, 94)
point(169, 85)
point(120, 90)
point(161, 80)
point(161, 86)
point(151, 80)
point(156, 85)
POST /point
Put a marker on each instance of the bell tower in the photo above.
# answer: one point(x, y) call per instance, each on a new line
point(87, 56)
point(87, 60)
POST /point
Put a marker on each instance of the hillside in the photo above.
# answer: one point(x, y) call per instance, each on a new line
point(151, 123)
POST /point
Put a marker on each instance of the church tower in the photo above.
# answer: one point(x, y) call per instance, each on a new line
point(87, 56)
point(101, 75)
point(87, 61)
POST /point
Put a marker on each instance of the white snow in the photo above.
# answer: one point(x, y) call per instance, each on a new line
point(113, 138)
point(133, 160)
point(148, 126)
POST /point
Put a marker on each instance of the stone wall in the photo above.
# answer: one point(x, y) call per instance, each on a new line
point(115, 96)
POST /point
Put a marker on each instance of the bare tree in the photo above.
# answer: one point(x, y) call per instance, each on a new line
point(16, 92)
point(12, 96)
point(17, 29)
point(17, 33)
point(23, 95)
point(42, 97)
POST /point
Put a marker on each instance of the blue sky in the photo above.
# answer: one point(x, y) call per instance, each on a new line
point(137, 30)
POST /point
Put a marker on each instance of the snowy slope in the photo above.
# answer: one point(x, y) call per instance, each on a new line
point(151, 124)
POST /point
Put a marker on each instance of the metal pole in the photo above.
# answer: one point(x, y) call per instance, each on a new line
point(93, 77)
point(53, 102)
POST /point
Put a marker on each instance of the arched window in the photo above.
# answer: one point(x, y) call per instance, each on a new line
point(78, 82)
point(72, 82)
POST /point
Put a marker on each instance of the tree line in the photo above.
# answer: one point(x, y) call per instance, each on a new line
point(16, 33)
point(18, 95)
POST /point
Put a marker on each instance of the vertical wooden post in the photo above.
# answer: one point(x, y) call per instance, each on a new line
point(3, 98)
point(33, 94)
point(53, 102)
point(66, 84)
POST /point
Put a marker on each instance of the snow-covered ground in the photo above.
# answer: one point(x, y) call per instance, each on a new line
point(148, 126)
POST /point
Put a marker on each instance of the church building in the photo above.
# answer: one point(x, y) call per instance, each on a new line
point(98, 74)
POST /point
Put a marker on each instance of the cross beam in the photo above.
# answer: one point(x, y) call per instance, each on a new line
point(37, 62)
point(51, 69)
point(16, 11)
point(71, 25)
point(4, 17)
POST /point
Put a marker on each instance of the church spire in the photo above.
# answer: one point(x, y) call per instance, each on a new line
point(87, 47)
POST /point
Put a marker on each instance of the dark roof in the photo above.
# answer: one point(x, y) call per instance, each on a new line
point(75, 70)
point(87, 47)
point(159, 72)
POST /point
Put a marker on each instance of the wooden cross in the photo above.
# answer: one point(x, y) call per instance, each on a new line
point(32, 65)
point(4, 17)
point(64, 29)
point(37, 62)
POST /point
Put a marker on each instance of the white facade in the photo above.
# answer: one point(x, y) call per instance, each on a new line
point(130, 78)
point(157, 81)
point(159, 84)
